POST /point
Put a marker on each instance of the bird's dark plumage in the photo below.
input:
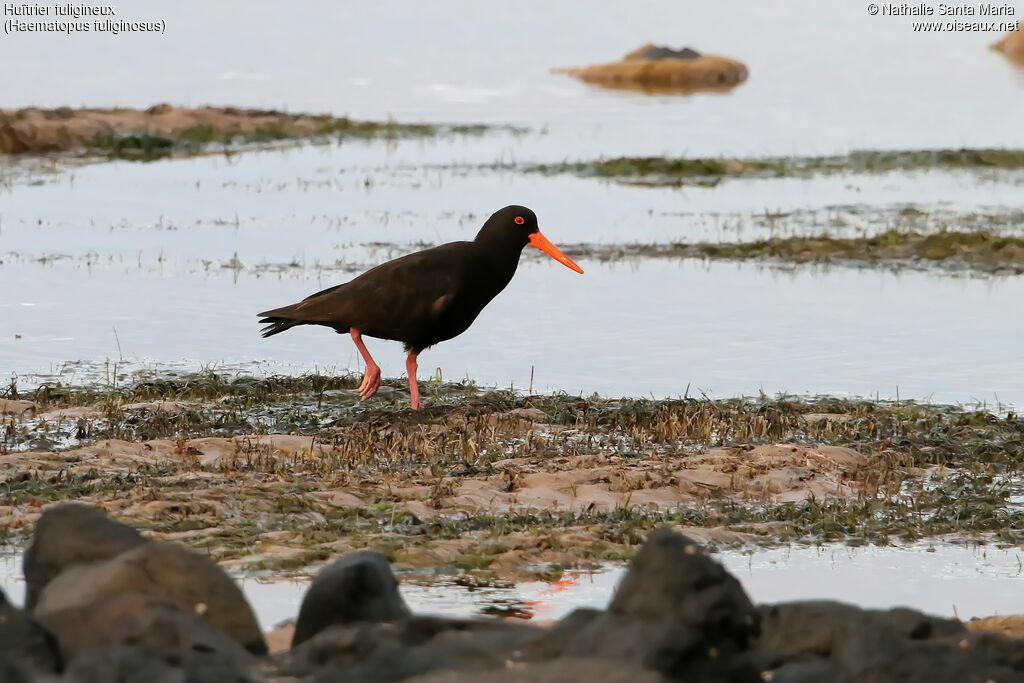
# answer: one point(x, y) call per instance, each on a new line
point(426, 297)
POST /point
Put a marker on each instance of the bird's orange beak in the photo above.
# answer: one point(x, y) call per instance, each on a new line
point(544, 244)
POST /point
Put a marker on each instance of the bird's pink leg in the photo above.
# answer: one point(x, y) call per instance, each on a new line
point(414, 388)
point(371, 379)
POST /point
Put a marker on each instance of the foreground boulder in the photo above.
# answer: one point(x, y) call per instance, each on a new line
point(558, 671)
point(157, 612)
point(358, 587)
point(677, 615)
point(818, 628)
point(676, 611)
point(27, 648)
point(824, 640)
point(659, 69)
point(381, 653)
point(354, 626)
point(68, 535)
point(133, 638)
point(166, 572)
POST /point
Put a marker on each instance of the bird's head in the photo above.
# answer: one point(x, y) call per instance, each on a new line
point(517, 226)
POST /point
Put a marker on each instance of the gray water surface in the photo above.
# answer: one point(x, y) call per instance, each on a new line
point(633, 329)
point(163, 266)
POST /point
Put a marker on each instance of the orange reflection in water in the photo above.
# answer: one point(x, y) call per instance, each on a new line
point(536, 608)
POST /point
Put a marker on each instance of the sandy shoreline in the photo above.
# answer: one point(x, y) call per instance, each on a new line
point(165, 130)
point(280, 474)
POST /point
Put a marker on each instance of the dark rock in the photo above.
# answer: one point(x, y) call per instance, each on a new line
point(559, 671)
point(380, 653)
point(676, 611)
point(671, 578)
point(823, 640)
point(659, 52)
point(106, 622)
point(910, 623)
point(357, 587)
point(818, 627)
point(24, 642)
point(555, 640)
point(69, 534)
point(875, 655)
point(800, 629)
point(15, 671)
point(127, 664)
point(997, 647)
point(162, 571)
point(136, 638)
point(814, 670)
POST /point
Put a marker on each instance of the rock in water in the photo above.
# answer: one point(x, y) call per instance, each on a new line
point(676, 611)
point(558, 671)
point(163, 571)
point(381, 653)
point(671, 578)
point(659, 69)
point(557, 639)
point(817, 628)
point(358, 587)
point(825, 640)
point(135, 638)
point(70, 534)
point(25, 645)
point(13, 672)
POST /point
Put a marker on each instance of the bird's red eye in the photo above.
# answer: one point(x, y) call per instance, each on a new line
point(519, 220)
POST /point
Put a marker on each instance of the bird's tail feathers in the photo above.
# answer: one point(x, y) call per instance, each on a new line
point(277, 325)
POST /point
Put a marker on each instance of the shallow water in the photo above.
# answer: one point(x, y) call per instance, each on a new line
point(163, 266)
point(824, 77)
point(941, 579)
point(322, 203)
point(643, 328)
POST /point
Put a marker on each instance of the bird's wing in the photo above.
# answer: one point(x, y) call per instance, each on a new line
point(408, 292)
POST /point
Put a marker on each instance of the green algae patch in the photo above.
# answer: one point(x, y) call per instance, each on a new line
point(981, 251)
point(667, 171)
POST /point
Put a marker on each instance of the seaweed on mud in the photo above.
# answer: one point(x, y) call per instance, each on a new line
point(930, 470)
point(660, 171)
point(151, 146)
point(979, 251)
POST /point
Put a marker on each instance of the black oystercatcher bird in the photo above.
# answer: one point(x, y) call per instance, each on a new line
point(422, 298)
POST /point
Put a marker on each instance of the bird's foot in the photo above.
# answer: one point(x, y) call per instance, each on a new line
point(371, 383)
point(416, 405)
